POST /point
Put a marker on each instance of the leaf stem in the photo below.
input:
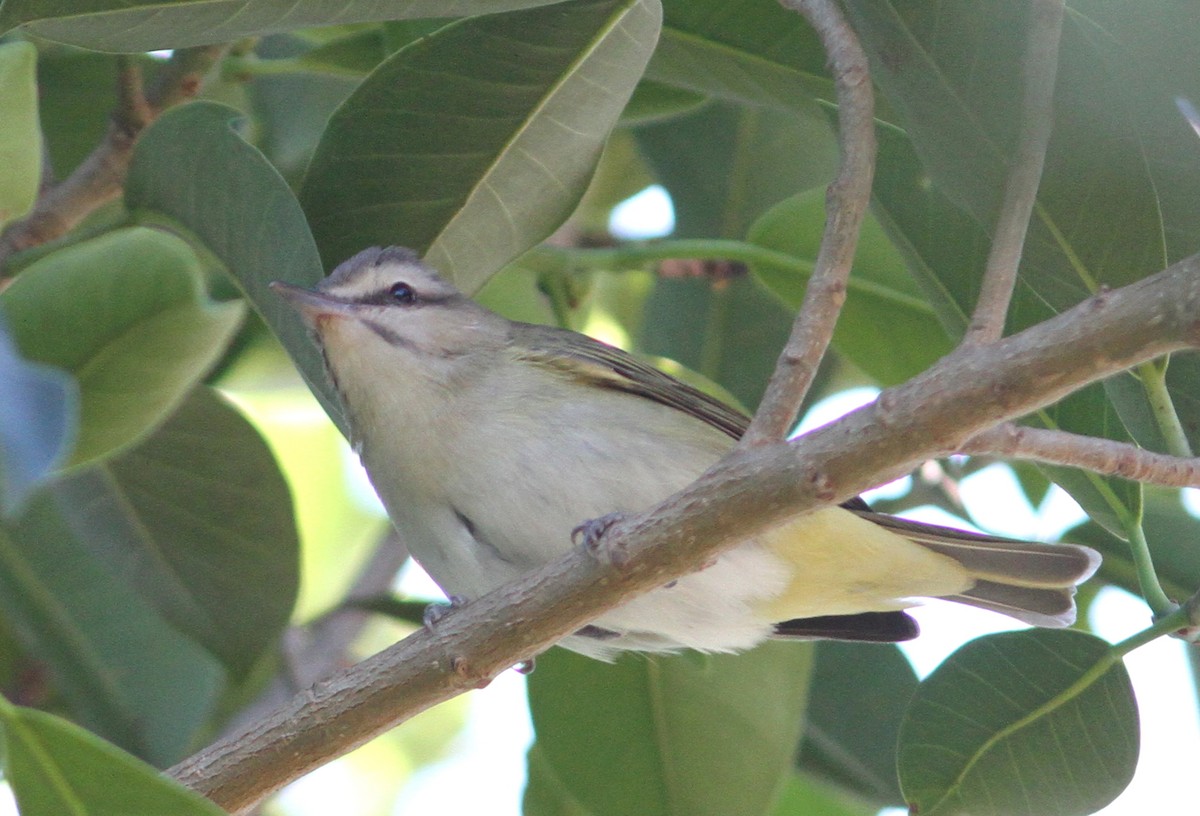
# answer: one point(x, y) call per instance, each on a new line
point(1154, 380)
point(1164, 625)
point(1152, 590)
point(637, 255)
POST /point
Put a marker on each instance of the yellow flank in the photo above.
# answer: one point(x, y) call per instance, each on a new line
point(843, 564)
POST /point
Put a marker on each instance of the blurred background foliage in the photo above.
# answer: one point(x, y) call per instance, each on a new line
point(180, 521)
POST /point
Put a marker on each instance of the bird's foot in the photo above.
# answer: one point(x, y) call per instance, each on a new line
point(436, 611)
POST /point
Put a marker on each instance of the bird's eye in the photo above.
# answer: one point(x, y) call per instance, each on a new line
point(403, 293)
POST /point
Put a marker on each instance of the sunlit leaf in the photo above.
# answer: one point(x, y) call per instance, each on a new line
point(886, 327)
point(20, 140)
point(127, 316)
point(146, 25)
point(56, 768)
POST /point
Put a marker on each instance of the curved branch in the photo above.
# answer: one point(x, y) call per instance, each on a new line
point(963, 395)
point(845, 205)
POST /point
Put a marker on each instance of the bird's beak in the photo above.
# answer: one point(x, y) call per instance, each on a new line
point(313, 304)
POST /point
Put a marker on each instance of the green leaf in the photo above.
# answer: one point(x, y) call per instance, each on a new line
point(198, 519)
point(78, 93)
point(1021, 724)
point(725, 166)
point(123, 671)
point(403, 163)
point(147, 25)
point(191, 167)
point(730, 331)
point(55, 768)
point(886, 328)
point(684, 735)
point(39, 417)
point(20, 139)
point(1113, 502)
point(126, 314)
point(803, 796)
point(719, 48)
point(1171, 533)
point(858, 697)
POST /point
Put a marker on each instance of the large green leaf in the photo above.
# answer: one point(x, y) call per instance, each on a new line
point(886, 327)
point(718, 47)
point(858, 697)
point(39, 417)
point(147, 25)
point(198, 519)
point(191, 167)
point(648, 736)
point(123, 671)
point(126, 314)
point(1021, 724)
point(56, 768)
point(20, 141)
point(475, 143)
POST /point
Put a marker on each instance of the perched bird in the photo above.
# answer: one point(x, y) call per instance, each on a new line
point(489, 441)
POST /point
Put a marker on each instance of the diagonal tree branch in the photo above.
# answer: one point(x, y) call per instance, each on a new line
point(846, 204)
point(966, 393)
point(1020, 192)
point(1105, 456)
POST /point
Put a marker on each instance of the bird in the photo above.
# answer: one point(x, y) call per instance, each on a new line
point(489, 441)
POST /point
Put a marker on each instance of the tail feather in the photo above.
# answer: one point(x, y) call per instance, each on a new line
point(1035, 606)
point(1030, 581)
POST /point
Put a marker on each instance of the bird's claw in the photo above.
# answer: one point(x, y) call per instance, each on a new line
point(436, 611)
point(588, 534)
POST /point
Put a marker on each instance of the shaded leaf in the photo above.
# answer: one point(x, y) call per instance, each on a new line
point(858, 697)
point(55, 767)
point(147, 25)
point(123, 671)
point(475, 143)
point(212, 545)
point(723, 167)
point(1021, 724)
point(191, 167)
point(39, 416)
point(141, 330)
point(718, 47)
point(20, 139)
point(886, 328)
point(684, 735)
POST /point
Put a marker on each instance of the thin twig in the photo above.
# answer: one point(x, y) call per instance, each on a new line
point(932, 415)
point(1105, 456)
point(101, 176)
point(1020, 193)
point(845, 205)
